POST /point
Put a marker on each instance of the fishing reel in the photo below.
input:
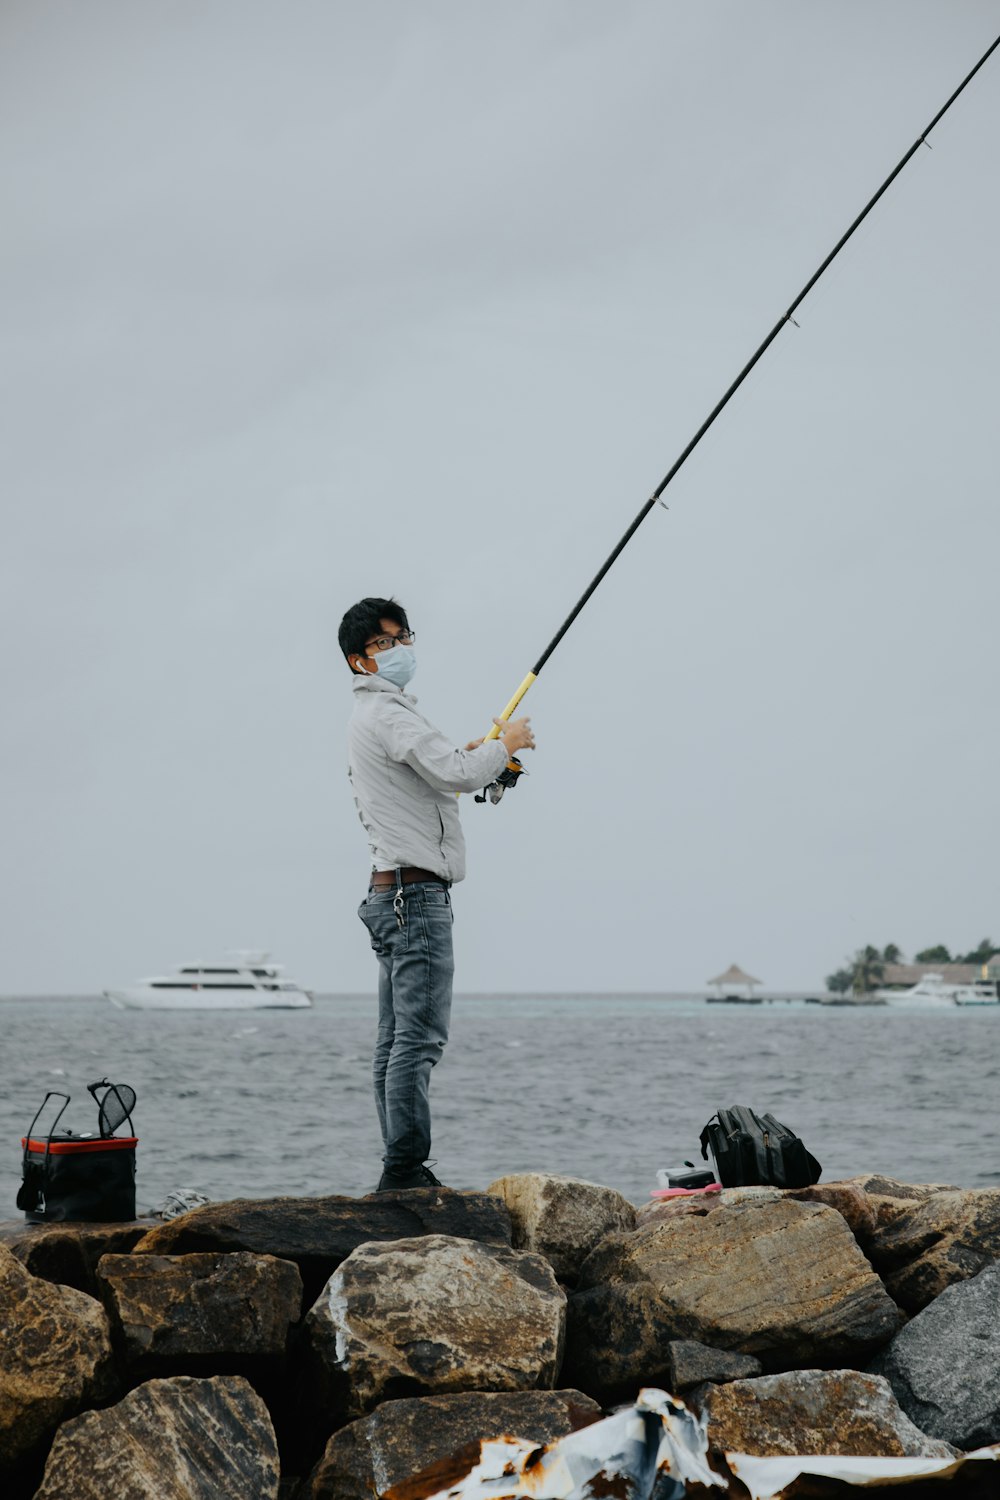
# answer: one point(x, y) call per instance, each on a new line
point(507, 778)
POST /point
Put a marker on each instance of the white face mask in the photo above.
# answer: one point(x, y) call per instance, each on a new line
point(397, 665)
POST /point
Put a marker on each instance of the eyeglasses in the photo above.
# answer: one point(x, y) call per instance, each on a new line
point(386, 642)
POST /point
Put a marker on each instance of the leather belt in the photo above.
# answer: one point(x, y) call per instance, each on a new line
point(385, 880)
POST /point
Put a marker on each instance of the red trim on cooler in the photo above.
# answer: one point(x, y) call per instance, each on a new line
point(70, 1148)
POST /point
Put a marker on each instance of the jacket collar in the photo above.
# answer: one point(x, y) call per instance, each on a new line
point(378, 684)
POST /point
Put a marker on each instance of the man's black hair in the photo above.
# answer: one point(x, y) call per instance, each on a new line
point(364, 620)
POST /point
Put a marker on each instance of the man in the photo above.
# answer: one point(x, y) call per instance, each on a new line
point(405, 774)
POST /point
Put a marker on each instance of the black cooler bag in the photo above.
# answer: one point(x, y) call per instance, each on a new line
point(77, 1177)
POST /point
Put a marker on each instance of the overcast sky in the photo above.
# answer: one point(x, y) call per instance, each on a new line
point(309, 301)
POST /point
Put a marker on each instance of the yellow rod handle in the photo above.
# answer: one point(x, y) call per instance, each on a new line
point(525, 685)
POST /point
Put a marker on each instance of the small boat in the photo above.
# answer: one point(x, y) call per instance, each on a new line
point(249, 982)
point(982, 992)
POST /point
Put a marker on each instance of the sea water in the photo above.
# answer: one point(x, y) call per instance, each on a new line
point(605, 1087)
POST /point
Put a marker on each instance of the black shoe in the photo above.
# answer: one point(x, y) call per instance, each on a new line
point(413, 1177)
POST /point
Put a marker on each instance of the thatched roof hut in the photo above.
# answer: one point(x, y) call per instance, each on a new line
point(734, 975)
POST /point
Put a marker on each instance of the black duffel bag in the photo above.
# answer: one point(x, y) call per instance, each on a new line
point(71, 1177)
point(751, 1150)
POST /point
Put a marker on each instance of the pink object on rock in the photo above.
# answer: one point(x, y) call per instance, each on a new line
point(713, 1187)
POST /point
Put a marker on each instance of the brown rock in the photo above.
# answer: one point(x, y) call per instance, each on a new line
point(781, 1280)
point(67, 1253)
point(55, 1356)
point(180, 1439)
point(848, 1198)
point(812, 1412)
point(890, 1198)
point(703, 1203)
point(621, 1337)
point(561, 1218)
point(318, 1233)
point(423, 1316)
point(223, 1312)
point(425, 1444)
point(924, 1245)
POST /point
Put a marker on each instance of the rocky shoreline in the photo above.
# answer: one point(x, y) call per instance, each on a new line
point(338, 1348)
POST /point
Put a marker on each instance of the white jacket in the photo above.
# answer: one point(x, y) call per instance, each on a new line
point(405, 774)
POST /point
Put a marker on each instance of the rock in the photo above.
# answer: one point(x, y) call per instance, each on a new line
point(55, 1357)
point(218, 1313)
point(890, 1198)
point(703, 1203)
point(423, 1316)
point(619, 1339)
point(849, 1199)
point(784, 1281)
point(923, 1245)
point(561, 1218)
point(428, 1441)
point(180, 1439)
point(67, 1253)
point(944, 1366)
point(813, 1411)
point(692, 1364)
point(318, 1233)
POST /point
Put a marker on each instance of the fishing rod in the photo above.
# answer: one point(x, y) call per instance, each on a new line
point(508, 777)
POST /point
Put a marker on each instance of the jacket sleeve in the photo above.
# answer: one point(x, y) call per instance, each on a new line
point(409, 738)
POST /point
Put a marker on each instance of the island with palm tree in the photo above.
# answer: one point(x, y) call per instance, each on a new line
point(870, 968)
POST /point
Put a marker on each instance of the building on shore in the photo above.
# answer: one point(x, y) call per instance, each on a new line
point(904, 976)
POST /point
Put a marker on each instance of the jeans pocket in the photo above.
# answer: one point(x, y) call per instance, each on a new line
point(363, 914)
point(388, 938)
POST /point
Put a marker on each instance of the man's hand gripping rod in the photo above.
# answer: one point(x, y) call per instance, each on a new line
point(513, 769)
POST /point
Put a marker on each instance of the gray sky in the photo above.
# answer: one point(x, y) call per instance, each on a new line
point(310, 301)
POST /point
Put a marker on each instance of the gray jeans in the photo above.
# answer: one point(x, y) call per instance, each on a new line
point(416, 966)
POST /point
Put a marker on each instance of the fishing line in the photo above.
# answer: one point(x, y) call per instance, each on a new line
point(514, 769)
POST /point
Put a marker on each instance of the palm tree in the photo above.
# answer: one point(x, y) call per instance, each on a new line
point(867, 970)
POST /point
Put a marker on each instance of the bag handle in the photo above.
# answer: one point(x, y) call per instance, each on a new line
point(706, 1134)
point(52, 1094)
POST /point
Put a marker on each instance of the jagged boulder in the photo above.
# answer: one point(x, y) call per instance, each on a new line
point(783, 1281)
point(926, 1242)
point(428, 1442)
point(619, 1338)
point(944, 1366)
point(891, 1198)
point(218, 1313)
point(318, 1233)
point(180, 1439)
point(55, 1357)
point(812, 1411)
point(849, 1199)
point(562, 1218)
point(437, 1314)
point(67, 1253)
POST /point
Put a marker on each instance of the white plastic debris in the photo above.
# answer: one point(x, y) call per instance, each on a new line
point(650, 1443)
point(767, 1478)
point(180, 1201)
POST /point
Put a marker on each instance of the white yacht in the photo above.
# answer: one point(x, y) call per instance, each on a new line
point(931, 991)
point(248, 982)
